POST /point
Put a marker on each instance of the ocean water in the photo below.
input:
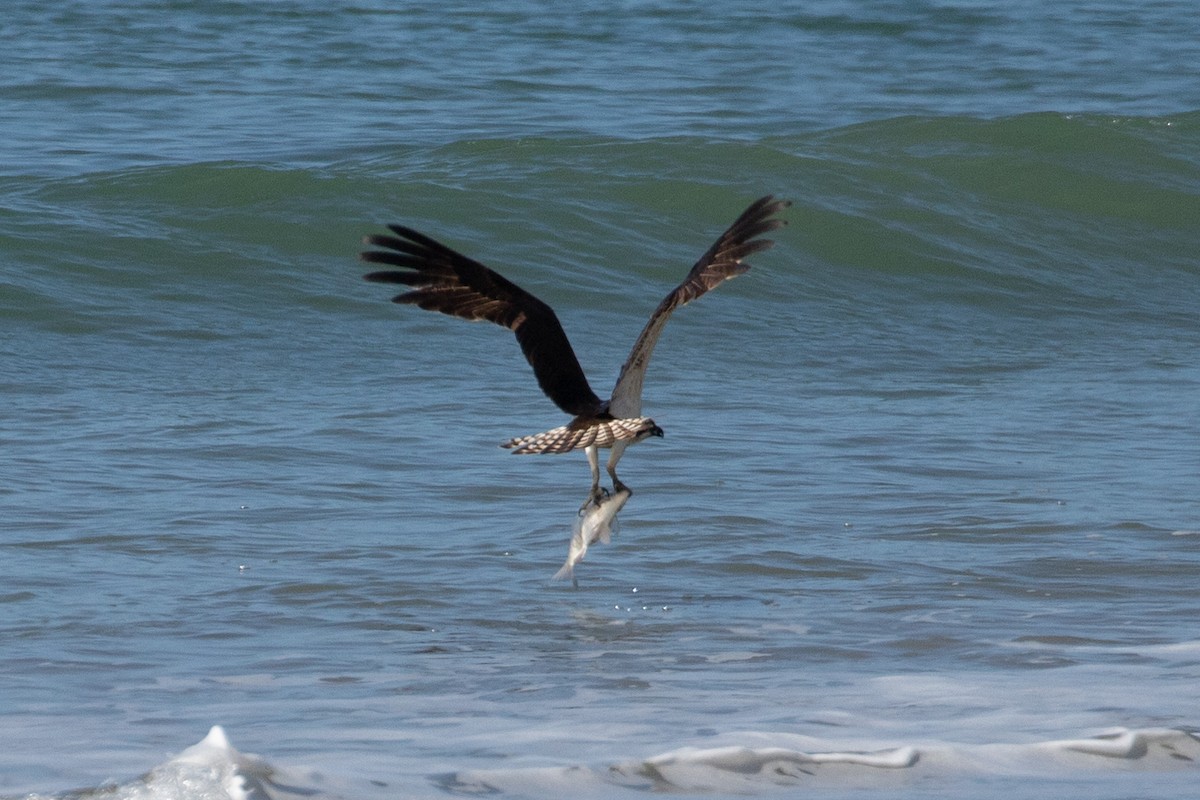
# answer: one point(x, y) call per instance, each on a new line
point(926, 518)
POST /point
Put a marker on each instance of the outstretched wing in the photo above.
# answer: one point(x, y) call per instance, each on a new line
point(446, 281)
point(722, 262)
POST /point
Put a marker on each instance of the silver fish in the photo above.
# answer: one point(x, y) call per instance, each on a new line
point(597, 520)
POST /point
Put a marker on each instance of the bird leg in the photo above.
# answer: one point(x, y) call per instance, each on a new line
point(613, 458)
point(597, 494)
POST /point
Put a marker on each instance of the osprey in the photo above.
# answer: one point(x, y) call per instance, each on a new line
point(447, 281)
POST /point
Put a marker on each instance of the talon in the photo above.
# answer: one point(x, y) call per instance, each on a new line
point(597, 496)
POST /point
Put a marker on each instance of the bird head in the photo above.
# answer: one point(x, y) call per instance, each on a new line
point(650, 430)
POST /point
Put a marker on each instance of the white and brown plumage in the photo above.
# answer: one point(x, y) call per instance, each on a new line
point(447, 281)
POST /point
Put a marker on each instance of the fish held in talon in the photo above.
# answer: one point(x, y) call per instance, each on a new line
point(597, 521)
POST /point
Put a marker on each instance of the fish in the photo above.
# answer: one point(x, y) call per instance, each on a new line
point(597, 520)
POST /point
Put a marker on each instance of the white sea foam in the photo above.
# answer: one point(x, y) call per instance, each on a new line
point(213, 769)
point(756, 769)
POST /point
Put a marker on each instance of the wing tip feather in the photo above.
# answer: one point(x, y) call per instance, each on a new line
point(391, 276)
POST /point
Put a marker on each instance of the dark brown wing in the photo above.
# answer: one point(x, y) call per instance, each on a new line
point(446, 281)
point(723, 261)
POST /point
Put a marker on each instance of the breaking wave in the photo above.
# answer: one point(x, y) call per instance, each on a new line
point(214, 770)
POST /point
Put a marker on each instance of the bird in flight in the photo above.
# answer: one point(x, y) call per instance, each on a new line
point(441, 279)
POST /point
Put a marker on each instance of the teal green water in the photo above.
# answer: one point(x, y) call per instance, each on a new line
point(930, 474)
